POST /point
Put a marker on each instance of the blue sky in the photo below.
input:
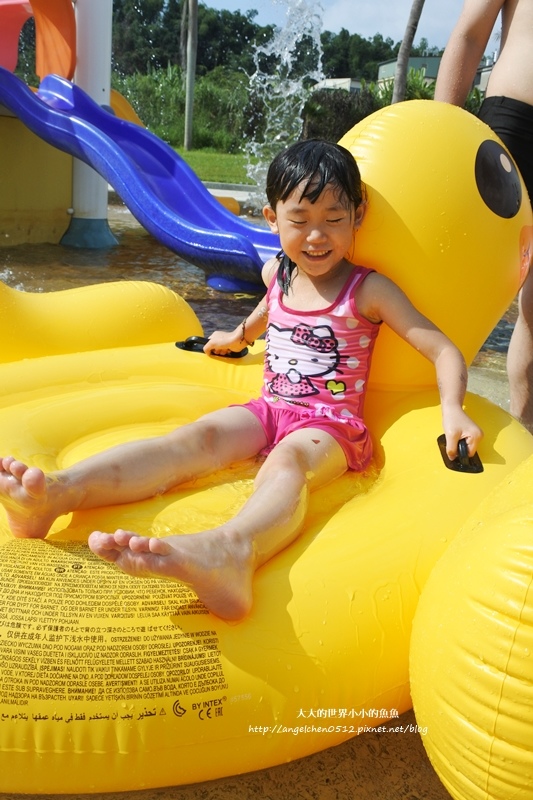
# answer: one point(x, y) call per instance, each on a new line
point(365, 17)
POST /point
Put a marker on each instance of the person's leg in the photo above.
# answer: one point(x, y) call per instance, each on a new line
point(512, 120)
point(520, 358)
point(129, 472)
point(219, 564)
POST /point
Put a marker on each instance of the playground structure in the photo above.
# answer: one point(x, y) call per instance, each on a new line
point(156, 184)
point(43, 191)
point(30, 212)
point(158, 187)
point(55, 34)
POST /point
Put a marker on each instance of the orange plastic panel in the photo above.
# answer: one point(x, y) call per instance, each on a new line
point(13, 15)
point(55, 25)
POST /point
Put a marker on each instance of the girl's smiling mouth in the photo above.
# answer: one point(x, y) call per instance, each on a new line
point(317, 253)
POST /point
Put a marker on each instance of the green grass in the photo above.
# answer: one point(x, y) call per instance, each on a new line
point(216, 167)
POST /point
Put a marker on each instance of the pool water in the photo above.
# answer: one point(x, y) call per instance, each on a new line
point(48, 268)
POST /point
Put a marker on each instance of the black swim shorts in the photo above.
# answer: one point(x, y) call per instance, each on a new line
point(512, 121)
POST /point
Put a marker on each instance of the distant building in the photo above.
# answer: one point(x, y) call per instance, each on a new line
point(348, 84)
point(429, 66)
point(483, 72)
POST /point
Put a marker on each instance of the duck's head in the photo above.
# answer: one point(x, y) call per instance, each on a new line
point(448, 219)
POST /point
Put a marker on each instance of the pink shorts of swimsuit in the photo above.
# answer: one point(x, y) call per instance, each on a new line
point(278, 421)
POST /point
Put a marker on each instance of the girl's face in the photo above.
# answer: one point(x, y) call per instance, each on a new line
point(316, 236)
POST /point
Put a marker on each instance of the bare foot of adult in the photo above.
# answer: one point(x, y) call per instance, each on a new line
point(24, 493)
point(218, 568)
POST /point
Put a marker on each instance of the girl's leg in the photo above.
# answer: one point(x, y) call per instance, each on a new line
point(129, 472)
point(220, 563)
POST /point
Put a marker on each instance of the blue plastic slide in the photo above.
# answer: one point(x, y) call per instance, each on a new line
point(156, 184)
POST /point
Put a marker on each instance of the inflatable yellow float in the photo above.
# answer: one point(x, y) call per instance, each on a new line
point(119, 314)
point(472, 651)
point(113, 683)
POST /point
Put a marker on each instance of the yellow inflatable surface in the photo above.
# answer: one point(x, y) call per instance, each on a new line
point(472, 651)
point(444, 198)
point(112, 683)
point(118, 314)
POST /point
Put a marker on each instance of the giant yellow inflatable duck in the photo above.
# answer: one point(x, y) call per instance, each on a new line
point(111, 683)
point(472, 651)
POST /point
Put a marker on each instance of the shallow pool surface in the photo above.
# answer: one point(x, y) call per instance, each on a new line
point(49, 268)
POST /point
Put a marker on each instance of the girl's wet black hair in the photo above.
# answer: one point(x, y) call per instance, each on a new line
point(312, 164)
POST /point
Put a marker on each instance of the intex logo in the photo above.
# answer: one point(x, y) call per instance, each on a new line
point(178, 710)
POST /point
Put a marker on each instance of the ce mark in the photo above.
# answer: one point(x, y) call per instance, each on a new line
point(204, 713)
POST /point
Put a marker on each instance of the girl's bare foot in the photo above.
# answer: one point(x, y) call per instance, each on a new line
point(218, 569)
point(25, 497)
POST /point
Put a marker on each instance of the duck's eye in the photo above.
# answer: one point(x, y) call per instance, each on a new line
point(498, 180)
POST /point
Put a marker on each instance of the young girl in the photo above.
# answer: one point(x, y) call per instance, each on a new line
point(320, 313)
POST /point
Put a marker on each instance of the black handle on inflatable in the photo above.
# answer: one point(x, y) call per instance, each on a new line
point(462, 462)
point(195, 344)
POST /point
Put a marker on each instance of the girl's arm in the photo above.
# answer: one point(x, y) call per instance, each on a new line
point(222, 342)
point(378, 298)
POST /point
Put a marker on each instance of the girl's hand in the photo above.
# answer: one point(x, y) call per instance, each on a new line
point(458, 425)
point(220, 343)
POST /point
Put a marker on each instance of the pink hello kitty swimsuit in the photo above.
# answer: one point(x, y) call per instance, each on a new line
point(316, 370)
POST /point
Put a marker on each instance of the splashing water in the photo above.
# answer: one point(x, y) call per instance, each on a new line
point(286, 68)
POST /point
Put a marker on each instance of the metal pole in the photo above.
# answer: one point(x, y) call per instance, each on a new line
point(89, 226)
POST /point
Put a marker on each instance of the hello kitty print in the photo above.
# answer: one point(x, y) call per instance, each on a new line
point(319, 359)
point(299, 354)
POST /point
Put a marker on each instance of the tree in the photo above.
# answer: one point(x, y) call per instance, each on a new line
point(348, 55)
point(336, 54)
point(136, 27)
point(192, 49)
point(153, 34)
point(26, 59)
point(330, 113)
point(168, 39)
point(402, 65)
point(416, 88)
